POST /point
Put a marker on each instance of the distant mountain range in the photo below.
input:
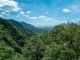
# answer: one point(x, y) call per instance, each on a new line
point(25, 26)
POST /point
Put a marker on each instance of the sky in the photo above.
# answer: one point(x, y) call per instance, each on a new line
point(41, 12)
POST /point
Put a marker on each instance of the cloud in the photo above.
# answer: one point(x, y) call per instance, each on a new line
point(75, 8)
point(48, 19)
point(49, 24)
point(33, 18)
point(4, 13)
point(28, 12)
point(66, 10)
point(17, 16)
point(26, 15)
point(42, 17)
point(22, 13)
point(9, 5)
point(45, 18)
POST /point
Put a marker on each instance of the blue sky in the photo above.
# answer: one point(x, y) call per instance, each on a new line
point(41, 12)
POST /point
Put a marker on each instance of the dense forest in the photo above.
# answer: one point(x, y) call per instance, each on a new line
point(20, 43)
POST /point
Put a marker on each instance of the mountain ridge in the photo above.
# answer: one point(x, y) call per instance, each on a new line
point(25, 26)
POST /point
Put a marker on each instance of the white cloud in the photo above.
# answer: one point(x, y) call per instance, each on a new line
point(48, 24)
point(4, 13)
point(48, 19)
point(42, 17)
point(17, 16)
point(45, 18)
point(9, 5)
point(66, 10)
point(26, 15)
point(28, 12)
point(55, 20)
point(22, 13)
point(33, 18)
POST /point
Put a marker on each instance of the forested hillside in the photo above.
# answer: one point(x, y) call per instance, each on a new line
point(60, 43)
point(12, 39)
point(25, 26)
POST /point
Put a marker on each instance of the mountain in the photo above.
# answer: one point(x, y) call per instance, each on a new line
point(12, 38)
point(25, 26)
point(12, 35)
point(45, 27)
point(18, 25)
point(31, 27)
point(15, 23)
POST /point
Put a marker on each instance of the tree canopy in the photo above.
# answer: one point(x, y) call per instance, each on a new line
point(60, 43)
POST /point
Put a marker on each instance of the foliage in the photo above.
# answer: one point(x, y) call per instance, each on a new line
point(60, 43)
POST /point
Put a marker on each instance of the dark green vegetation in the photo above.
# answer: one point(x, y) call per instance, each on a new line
point(60, 43)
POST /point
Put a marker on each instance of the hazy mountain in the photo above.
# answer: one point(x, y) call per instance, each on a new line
point(25, 26)
point(31, 27)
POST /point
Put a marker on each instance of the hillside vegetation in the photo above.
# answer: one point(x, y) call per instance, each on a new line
point(25, 26)
point(60, 43)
